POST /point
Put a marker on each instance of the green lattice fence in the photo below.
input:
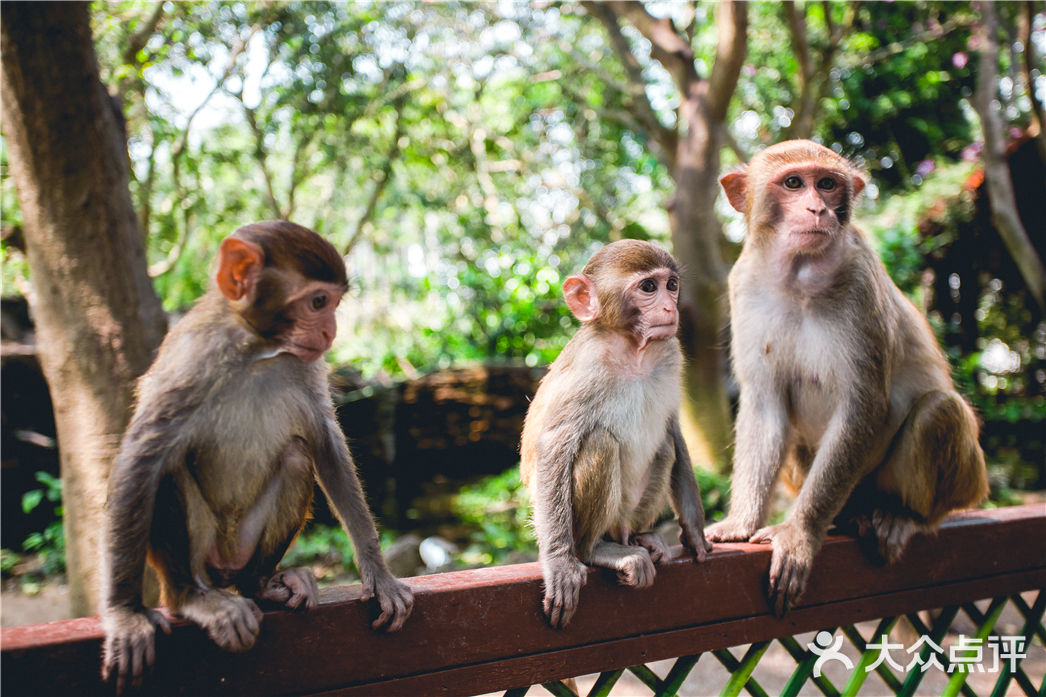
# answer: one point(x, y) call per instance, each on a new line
point(482, 631)
point(979, 669)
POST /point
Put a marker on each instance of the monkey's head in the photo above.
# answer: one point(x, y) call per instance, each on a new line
point(630, 287)
point(797, 195)
point(284, 282)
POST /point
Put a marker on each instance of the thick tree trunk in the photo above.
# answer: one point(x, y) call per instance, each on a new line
point(696, 235)
point(97, 316)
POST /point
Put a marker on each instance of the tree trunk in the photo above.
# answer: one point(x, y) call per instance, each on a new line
point(97, 317)
point(696, 235)
point(693, 156)
point(997, 178)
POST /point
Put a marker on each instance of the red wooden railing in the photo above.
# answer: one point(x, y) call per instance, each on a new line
point(482, 630)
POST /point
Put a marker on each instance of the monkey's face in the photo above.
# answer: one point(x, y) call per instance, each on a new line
point(652, 298)
point(812, 202)
point(311, 326)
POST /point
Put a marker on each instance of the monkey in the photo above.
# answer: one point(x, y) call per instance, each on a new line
point(844, 392)
point(602, 451)
point(214, 476)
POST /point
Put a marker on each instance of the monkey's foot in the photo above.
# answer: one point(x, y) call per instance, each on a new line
point(291, 588)
point(564, 577)
point(232, 621)
point(891, 533)
point(730, 530)
point(652, 543)
point(790, 564)
point(636, 570)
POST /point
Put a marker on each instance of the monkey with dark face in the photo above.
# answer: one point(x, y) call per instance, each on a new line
point(214, 476)
point(602, 451)
point(844, 391)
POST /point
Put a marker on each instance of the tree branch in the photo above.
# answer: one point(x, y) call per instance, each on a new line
point(666, 45)
point(638, 102)
point(732, 30)
point(997, 175)
point(380, 183)
point(1031, 63)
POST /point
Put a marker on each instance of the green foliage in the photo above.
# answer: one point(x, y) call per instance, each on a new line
point(49, 544)
point(323, 546)
point(497, 509)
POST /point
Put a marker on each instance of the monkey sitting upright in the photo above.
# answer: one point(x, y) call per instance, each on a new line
point(601, 449)
point(214, 477)
point(844, 390)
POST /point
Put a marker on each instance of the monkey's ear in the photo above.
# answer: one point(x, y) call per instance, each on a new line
point(858, 183)
point(735, 184)
point(238, 266)
point(581, 297)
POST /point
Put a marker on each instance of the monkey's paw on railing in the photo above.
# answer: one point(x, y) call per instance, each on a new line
point(483, 631)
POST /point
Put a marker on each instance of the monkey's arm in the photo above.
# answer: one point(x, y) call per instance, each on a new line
point(762, 441)
point(337, 476)
point(145, 455)
point(553, 503)
point(841, 460)
point(686, 497)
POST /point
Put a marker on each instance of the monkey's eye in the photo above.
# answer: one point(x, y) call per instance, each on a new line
point(672, 285)
point(648, 285)
point(793, 182)
point(827, 183)
point(319, 301)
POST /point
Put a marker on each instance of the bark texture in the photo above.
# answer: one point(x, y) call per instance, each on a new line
point(97, 316)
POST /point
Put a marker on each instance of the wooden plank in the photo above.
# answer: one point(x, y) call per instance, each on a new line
point(484, 628)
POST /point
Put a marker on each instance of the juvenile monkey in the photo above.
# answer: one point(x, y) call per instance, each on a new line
point(214, 477)
point(844, 391)
point(601, 450)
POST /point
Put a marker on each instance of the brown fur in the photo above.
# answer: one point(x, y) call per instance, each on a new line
point(601, 449)
point(214, 477)
point(844, 391)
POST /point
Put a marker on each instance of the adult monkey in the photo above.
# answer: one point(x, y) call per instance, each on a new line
point(601, 449)
point(844, 390)
point(214, 477)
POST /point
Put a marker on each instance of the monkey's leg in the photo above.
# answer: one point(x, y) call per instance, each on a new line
point(762, 443)
point(270, 527)
point(936, 466)
point(634, 565)
point(183, 532)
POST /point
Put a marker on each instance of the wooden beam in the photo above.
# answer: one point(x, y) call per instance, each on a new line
point(482, 630)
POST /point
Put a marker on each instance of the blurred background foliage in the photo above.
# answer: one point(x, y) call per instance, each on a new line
point(468, 156)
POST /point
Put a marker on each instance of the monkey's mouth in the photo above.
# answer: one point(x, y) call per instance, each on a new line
point(661, 331)
point(810, 238)
point(308, 353)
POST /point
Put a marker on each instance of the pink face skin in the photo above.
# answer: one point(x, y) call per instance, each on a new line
point(315, 325)
point(655, 297)
point(809, 198)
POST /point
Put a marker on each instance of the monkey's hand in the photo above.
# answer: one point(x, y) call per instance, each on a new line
point(395, 598)
point(130, 644)
point(730, 530)
point(564, 576)
point(793, 557)
point(292, 589)
point(693, 538)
